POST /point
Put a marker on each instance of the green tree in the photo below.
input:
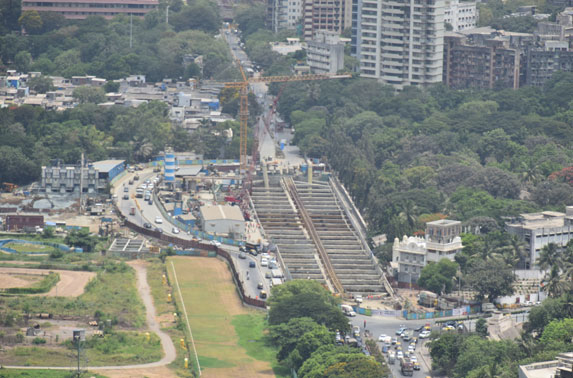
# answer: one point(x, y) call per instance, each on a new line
point(306, 298)
point(87, 94)
point(481, 327)
point(491, 278)
point(22, 61)
point(31, 21)
point(82, 239)
point(554, 283)
point(287, 335)
point(307, 344)
point(549, 256)
point(41, 84)
point(445, 351)
point(438, 277)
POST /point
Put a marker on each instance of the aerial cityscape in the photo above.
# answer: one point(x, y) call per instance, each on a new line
point(286, 188)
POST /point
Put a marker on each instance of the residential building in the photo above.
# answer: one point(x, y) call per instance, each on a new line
point(223, 220)
point(325, 52)
point(493, 64)
point(284, 14)
point(91, 178)
point(460, 15)
point(442, 240)
point(540, 229)
point(543, 63)
point(290, 46)
point(401, 42)
point(78, 9)
point(330, 15)
point(562, 367)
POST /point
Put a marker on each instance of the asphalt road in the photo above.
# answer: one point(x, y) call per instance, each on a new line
point(146, 213)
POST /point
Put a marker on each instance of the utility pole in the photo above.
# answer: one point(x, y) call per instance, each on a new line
point(130, 30)
point(167, 15)
point(81, 183)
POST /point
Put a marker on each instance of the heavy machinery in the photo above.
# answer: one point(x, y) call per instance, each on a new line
point(8, 187)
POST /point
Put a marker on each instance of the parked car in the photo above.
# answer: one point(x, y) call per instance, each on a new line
point(242, 255)
point(147, 225)
point(268, 275)
point(419, 329)
point(158, 220)
point(175, 230)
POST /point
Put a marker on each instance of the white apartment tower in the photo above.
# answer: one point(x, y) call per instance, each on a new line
point(402, 41)
point(460, 15)
point(284, 14)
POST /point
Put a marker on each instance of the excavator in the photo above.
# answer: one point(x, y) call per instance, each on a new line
point(8, 187)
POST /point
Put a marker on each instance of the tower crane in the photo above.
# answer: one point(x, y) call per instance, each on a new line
point(243, 87)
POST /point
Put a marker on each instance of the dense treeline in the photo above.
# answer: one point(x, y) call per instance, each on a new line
point(411, 156)
point(31, 137)
point(95, 46)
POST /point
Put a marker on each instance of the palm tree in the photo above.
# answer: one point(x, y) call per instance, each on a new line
point(530, 174)
point(549, 256)
point(408, 213)
point(554, 285)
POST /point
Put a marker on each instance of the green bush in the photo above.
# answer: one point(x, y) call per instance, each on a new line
point(39, 340)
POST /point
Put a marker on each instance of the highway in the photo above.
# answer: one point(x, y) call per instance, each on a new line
point(146, 213)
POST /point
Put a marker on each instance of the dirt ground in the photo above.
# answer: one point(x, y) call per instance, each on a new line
point(10, 280)
point(156, 372)
point(71, 283)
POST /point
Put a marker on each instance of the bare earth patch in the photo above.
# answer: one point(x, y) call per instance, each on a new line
point(71, 283)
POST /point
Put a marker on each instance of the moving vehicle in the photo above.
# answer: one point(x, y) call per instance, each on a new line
point(175, 230)
point(400, 330)
point(348, 310)
point(158, 220)
point(252, 264)
point(242, 255)
point(147, 225)
point(385, 339)
point(125, 189)
point(126, 196)
point(139, 193)
point(424, 334)
point(260, 285)
point(263, 294)
point(358, 298)
point(356, 331)
point(132, 211)
point(406, 367)
point(391, 357)
point(264, 262)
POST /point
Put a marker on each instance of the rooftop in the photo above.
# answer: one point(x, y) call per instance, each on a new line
point(221, 212)
point(443, 222)
point(192, 170)
point(107, 165)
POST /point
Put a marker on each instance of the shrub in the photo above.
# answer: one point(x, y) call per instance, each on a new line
point(39, 340)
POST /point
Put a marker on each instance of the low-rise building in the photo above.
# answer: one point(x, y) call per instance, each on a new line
point(540, 229)
point(413, 253)
point(223, 220)
point(74, 9)
point(91, 178)
point(23, 222)
point(562, 367)
point(325, 52)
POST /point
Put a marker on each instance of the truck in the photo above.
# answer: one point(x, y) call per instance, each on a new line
point(132, 211)
point(406, 367)
point(348, 310)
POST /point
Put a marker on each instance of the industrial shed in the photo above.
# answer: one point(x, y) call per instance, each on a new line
point(223, 220)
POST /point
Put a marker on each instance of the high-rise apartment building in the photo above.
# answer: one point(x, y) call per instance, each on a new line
point(284, 14)
point(460, 15)
point(329, 15)
point(401, 42)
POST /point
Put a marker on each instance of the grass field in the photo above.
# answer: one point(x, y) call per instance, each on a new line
point(222, 327)
point(28, 247)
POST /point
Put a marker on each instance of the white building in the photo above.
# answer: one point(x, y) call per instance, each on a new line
point(223, 220)
point(460, 15)
point(561, 367)
point(412, 254)
point(402, 42)
point(284, 14)
point(540, 229)
point(325, 52)
point(92, 178)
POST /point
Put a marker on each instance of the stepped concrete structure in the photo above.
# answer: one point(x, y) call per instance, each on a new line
point(283, 227)
point(353, 264)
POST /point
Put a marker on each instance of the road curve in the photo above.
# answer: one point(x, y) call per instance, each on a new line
point(166, 343)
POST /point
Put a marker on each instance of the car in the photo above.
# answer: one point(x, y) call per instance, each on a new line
point(451, 323)
point(394, 340)
point(242, 248)
point(242, 255)
point(419, 329)
point(448, 328)
point(126, 196)
point(215, 243)
point(260, 285)
point(411, 348)
point(528, 303)
point(253, 252)
point(157, 229)
point(358, 298)
point(424, 334)
point(252, 264)
point(158, 220)
point(413, 358)
point(268, 275)
point(150, 202)
point(126, 189)
point(263, 294)
point(398, 346)
point(414, 340)
point(175, 230)
point(382, 338)
point(147, 225)
point(416, 365)
point(385, 349)
point(131, 182)
point(264, 262)
point(400, 330)
point(399, 354)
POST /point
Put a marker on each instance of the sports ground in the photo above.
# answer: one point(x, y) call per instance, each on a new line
point(218, 320)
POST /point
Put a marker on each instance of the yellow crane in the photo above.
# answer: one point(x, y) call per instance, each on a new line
point(243, 87)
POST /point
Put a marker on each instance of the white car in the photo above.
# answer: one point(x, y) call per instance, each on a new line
point(382, 337)
point(215, 243)
point(175, 230)
point(399, 354)
point(413, 358)
point(424, 334)
point(264, 262)
point(158, 220)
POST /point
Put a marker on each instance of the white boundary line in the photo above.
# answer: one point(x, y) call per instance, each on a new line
point(186, 318)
